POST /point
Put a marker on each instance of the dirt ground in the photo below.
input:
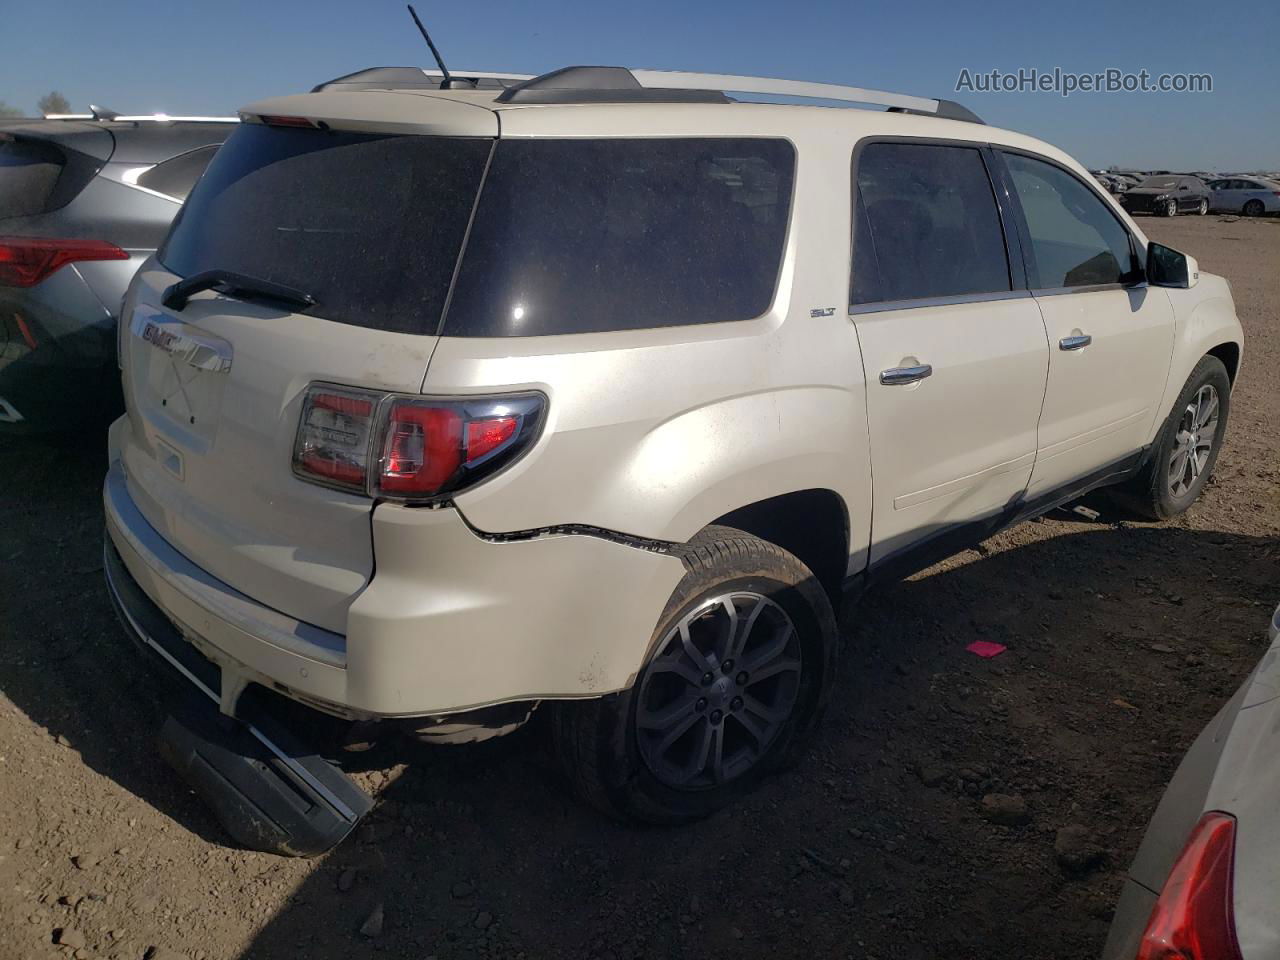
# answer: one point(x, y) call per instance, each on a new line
point(1123, 639)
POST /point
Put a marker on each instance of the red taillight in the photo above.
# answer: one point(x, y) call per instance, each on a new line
point(334, 435)
point(409, 448)
point(486, 436)
point(422, 449)
point(25, 261)
point(1194, 918)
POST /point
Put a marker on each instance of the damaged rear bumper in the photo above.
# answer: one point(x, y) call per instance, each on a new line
point(451, 621)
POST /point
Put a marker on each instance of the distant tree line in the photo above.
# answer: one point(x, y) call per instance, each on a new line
point(52, 102)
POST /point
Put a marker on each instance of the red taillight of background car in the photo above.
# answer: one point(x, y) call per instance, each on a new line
point(413, 449)
point(1194, 918)
point(25, 261)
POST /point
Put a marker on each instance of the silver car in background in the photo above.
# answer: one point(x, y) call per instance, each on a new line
point(1250, 196)
point(1204, 884)
point(84, 200)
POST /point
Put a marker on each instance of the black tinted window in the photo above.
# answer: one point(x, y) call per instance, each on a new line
point(930, 222)
point(369, 225)
point(28, 172)
point(576, 236)
point(1075, 240)
point(865, 282)
point(176, 176)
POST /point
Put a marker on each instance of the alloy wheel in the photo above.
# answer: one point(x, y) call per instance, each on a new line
point(1197, 431)
point(719, 692)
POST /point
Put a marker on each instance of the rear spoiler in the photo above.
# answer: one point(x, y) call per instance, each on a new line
point(375, 111)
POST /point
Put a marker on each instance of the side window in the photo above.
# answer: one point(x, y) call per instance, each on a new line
point(176, 176)
point(926, 225)
point(593, 235)
point(1075, 240)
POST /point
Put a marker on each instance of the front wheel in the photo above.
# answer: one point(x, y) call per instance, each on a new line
point(1171, 208)
point(1254, 208)
point(741, 666)
point(1186, 449)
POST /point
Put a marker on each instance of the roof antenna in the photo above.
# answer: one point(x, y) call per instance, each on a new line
point(448, 78)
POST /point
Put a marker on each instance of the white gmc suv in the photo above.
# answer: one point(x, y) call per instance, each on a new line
point(450, 398)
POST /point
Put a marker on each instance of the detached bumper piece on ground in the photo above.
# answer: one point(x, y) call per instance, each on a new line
point(266, 787)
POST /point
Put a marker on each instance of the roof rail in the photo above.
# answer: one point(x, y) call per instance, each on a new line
point(148, 117)
point(603, 85)
point(165, 118)
point(411, 78)
point(596, 84)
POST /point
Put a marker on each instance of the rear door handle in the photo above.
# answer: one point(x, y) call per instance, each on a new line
point(1075, 343)
point(895, 376)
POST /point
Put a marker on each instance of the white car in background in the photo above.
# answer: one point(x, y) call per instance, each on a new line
point(594, 390)
point(1250, 196)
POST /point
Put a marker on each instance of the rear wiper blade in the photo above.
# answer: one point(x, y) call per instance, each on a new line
point(236, 284)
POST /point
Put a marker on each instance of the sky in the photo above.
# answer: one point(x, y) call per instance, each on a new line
point(185, 57)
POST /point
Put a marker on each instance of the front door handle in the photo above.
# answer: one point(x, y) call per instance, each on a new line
point(1075, 343)
point(896, 376)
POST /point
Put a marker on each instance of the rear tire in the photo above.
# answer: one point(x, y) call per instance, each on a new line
point(1254, 208)
point(1203, 208)
point(1179, 464)
point(623, 753)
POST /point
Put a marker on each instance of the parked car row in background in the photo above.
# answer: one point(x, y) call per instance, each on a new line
point(1168, 194)
point(84, 200)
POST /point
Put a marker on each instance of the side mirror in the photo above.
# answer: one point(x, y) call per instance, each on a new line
point(1167, 267)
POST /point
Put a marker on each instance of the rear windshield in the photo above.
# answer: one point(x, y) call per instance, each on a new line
point(368, 225)
point(568, 236)
point(577, 236)
point(29, 171)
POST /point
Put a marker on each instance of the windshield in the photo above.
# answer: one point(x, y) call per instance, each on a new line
point(369, 225)
point(1158, 183)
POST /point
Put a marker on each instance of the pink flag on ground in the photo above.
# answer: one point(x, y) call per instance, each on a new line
point(986, 649)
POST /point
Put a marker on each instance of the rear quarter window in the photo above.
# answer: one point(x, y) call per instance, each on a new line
point(176, 176)
point(592, 235)
point(29, 171)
